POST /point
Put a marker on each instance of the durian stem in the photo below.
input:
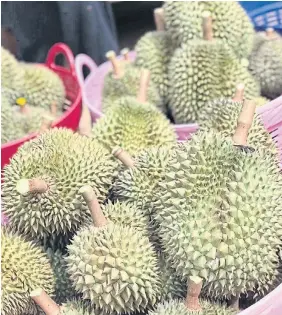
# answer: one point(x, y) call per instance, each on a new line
point(159, 19)
point(239, 93)
point(269, 32)
point(207, 26)
point(46, 123)
point(111, 55)
point(41, 298)
point(97, 215)
point(53, 109)
point(123, 156)
point(194, 289)
point(244, 123)
point(234, 302)
point(143, 87)
point(125, 54)
point(85, 122)
point(35, 185)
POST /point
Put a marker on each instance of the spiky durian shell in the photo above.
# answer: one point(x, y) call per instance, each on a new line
point(172, 286)
point(220, 216)
point(231, 24)
point(177, 307)
point(154, 50)
point(221, 115)
point(128, 85)
point(42, 86)
point(115, 267)
point(76, 307)
point(134, 126)
point(63, 286)
point(66, 161)
point(24, 267)
point(266, 65)
point(260, 101)
point(11, 72)
point(203, 71)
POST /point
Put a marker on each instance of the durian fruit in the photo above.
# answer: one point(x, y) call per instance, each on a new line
point(260, 101)
point(204, 70)
point(231, 23)
point(134, 124)
point(42, 87)
point(154, 51)
point(63, 286)
point(265, 63)
point(41, 183)
point(11, 72)
point(219, 212)
point(221, 116)
point(192, 304)
point(113, 265)
point(124, 80)
point(24, 266)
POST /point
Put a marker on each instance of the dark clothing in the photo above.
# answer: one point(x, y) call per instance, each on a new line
point(85, 26)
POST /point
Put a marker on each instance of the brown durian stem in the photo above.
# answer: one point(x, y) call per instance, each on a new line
point(123, 156)
point(97, 215)
point(143, 87)
point(85, 122)
point(125, 54)
point(269, 32)
point(46, 123)
point(42, 299)
point(194, 289)
point(34, 185)
point(244, 123)
point(234, 302)
point(111, 55)
point(159, 19)
point(53, 109)
point(239, 93)
point(207, 26)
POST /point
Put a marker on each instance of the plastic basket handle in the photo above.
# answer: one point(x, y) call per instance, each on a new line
point(61, 48)
point(80, 61)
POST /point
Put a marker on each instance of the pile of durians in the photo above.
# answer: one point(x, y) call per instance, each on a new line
point(123, 219)
point(33, 96)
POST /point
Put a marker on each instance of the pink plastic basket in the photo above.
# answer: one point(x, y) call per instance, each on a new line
point(70, 118)
point(92, 88)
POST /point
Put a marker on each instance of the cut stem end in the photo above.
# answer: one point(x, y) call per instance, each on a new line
point(159, 19)
point(41, 298)
point(111, 56)
point(239, 93)
point(36, 185)
point(207, 26)
point(194, 289)
point(143, 87)
point(123, 156)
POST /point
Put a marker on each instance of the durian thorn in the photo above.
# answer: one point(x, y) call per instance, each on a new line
point(85, 122)
point(193, 291)
point(234, 302)
point(53, 109)
point(111, 56)
point(159, 19)
point(244, 122)
point(34, 185)
point(207, 26)
point(42, 299)
point(97, 215)
point(125, 53)
point(46, 123)
point(123, 156)
point(239, 93)
point(143, 85)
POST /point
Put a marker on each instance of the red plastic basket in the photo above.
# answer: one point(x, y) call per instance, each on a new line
point(70, 118)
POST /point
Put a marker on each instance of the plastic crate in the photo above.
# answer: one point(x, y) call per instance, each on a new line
point(92, 88)
point(71, 116)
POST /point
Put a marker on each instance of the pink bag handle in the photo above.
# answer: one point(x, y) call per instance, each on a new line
point(80, 61)
point(61, 48)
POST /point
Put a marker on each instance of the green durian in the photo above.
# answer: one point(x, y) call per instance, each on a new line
point(24, 266)
point(41, 183)
point(11, 72)
point(221, 116)
point(154, 51)
point(114, 266)
point(63, 286)
point(133, 126)
point(231, 23)
point(265, 63)
point(204, 70)
point(219, 211)
point(42, 87)
point(177, 307)
point(127, 84)
point(76, 307)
